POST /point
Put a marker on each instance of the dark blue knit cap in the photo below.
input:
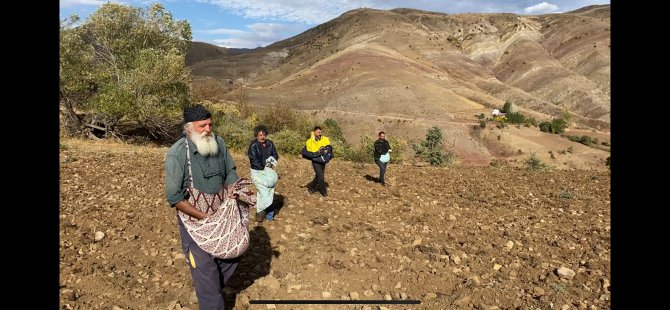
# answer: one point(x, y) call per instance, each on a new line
point(196, 113)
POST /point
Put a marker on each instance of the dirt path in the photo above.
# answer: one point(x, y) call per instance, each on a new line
point(454, 238)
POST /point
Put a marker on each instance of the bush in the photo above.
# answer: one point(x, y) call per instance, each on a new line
point(482, 124)
point(431, 149)
point(507, 107)
point(534, 163)
point(556, 126)
point(288, 142)
point(363, 152)
point(516, 118)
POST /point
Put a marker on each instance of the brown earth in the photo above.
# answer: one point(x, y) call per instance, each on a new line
point(453, 238)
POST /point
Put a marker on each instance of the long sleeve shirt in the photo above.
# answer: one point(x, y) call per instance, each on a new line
point(210, 173)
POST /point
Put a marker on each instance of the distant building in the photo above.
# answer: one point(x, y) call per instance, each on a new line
point(497, 112)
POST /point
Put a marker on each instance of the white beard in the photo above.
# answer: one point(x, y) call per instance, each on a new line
point(205, 144)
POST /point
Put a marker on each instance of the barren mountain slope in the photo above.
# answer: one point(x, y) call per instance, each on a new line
point(453, 238)
point(433, 68)
point(543, 62)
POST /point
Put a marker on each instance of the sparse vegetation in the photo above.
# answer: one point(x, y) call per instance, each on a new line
point(431, 149)
point(586, 140)
point(534, 163)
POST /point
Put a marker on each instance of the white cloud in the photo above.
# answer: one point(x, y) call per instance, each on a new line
point(541, 8)
point(259, 34)
point(69, 3)
point(304, 11)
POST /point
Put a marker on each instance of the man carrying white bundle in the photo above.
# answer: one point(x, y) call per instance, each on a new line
point(263, 158)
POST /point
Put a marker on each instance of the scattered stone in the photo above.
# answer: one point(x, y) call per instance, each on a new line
point(497, 266)
point(538, 292)
point(354, 296)
point(388, 297)
point(566, 273)
point(99, 235)
point(463, 301)
point(430, 296)
point(452, 217)
point(416, 242)
point(326, 295)
point(510, 244)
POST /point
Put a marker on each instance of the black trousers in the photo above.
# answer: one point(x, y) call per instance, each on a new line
point(382, 169)
point(319, 182)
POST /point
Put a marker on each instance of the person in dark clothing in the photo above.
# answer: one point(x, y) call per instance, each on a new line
point(320, 152)
point(381, 147)
point(260, 150)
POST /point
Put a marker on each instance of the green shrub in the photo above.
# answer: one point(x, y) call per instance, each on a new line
point(556, 126)
point(515, 118)
point(288, 142)
point(534, 163)
point(431, 149)
point(363, 152)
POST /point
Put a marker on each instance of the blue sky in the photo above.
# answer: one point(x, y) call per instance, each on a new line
point(254, 23)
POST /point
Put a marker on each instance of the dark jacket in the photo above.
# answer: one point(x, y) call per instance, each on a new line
point(255, 154)
point(320, 156)
point(381, 147)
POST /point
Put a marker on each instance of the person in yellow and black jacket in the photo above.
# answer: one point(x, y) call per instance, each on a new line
point(320, 152)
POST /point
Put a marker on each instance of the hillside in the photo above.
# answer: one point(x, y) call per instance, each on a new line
point(405, 70)
point(453, 238)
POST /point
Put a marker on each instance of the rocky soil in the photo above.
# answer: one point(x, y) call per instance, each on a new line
point(452, 238)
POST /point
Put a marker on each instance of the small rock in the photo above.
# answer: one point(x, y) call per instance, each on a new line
point(272, 306)
point(452, 217)
point(538, 292)
point(179, 256)
point(354, 296)
point(388, 297)
point(510, 244)
point(375, 287)
point(456, 259)
point(326, 295)
point(497, 266)
point(430, 296)
point(368, 293)
point(398, 285)
point(565, 307)
point(117, 308)
point(403, 296)
point(367, 308)
point(99, 235)
point(287, 229)
point(463, 301)
point(564, 272)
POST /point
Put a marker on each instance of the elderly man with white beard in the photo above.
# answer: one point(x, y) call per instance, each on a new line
point(199, 162)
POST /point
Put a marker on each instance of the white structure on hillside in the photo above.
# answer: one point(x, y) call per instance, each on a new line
point(497, 112)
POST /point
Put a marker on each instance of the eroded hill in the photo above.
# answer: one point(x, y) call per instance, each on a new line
point(405, 70)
